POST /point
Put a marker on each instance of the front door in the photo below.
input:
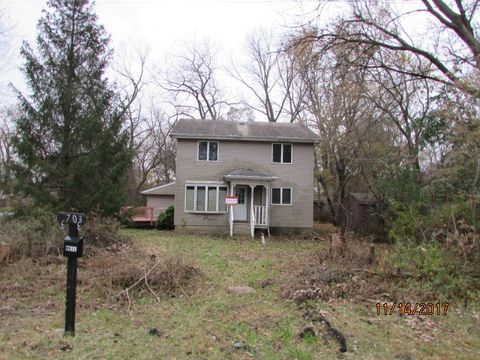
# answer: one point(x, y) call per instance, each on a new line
point(240, 210)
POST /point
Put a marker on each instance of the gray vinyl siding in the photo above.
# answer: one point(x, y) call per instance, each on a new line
point(160, 203)
point(256, 156)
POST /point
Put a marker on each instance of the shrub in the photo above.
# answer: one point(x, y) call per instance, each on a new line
point(435, 268)
point(33, 236)
point(37, 234)
point(103, 231)
point(125, 216)
point(165, 219)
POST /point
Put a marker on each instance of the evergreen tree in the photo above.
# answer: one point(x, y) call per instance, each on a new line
point(72, 149)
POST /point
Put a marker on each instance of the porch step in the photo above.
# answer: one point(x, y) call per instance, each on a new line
point(241, 229)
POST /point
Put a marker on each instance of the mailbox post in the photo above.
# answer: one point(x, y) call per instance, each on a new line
point(72, 249)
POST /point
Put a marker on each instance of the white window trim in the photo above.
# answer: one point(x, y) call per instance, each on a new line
point(281, 154)
point(206, 184)
point(281, 196)
point(208, 150)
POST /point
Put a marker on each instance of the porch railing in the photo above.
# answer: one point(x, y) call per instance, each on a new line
point(260, 215)
point(140, 215)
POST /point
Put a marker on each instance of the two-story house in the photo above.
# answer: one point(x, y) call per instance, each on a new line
point(268, 166)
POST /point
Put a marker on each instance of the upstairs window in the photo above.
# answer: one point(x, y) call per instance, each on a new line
point(281, 196)
point(208, 150)
point(282, 153)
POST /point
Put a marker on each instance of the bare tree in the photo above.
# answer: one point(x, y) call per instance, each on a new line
point(342, 115)
point(191, 82)
point(6, 115)
point(270, 78)
point(406, 102)
point(130, 68)
point(6, 152)
point(153, 149)
point(5, 30)
point(155, 159)
point(454, 52)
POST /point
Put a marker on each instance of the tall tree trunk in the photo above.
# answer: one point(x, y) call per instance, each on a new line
point(321, 182)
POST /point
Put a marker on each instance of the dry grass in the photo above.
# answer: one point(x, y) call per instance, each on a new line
point(359, 276)
point(35, 239)
point(206, 323)
point(323, 277)
point(163, 276)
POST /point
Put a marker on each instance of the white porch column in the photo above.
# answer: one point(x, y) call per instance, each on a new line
point(230, 210)
point(252, 220)
point(267, 210)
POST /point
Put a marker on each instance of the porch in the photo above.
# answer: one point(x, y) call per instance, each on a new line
point(252, 188)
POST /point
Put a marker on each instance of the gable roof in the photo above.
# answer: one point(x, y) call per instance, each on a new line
point(248, 131)
point(165, 189)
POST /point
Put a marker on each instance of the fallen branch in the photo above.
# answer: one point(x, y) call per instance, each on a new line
point(316, 316)
point(144, 279)
point(150, 289)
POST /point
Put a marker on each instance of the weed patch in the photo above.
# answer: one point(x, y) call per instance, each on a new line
point(34, 238)
point(323, 277)
point(104, 232)
point(390, 276)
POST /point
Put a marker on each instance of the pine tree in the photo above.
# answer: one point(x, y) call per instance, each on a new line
point(71, 147)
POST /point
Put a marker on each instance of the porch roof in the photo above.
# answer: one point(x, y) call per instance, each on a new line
point(248, 174)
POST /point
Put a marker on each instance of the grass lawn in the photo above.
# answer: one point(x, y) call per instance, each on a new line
point(206, 322)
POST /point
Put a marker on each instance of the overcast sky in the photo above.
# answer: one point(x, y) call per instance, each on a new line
point(163, 26)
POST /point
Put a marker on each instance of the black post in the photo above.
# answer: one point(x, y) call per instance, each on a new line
point(71, 286)
point(72, 249)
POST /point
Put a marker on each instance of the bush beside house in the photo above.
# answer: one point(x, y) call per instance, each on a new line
point(165, 219)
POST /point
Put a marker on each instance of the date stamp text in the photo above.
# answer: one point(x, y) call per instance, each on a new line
point(428, 309)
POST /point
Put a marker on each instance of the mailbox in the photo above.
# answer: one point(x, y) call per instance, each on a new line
point(73, 246)
point(72, 249)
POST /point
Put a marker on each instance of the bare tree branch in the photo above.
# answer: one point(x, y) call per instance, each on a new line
point(379, 26)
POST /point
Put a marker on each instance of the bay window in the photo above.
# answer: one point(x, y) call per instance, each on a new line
point(205, 198)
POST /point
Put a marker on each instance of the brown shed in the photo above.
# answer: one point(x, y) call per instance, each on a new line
point(361, 213)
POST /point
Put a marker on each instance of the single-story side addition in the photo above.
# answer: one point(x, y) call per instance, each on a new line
point(160, 198)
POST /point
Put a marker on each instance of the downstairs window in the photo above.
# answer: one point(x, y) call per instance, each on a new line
point(281, 196)
point(205, 198)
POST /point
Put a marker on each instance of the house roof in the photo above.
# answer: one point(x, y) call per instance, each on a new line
point(165, 189)
point(248, 131)
point(248, 174)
